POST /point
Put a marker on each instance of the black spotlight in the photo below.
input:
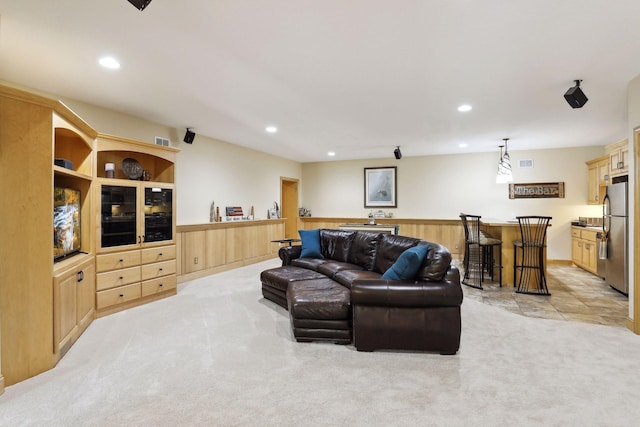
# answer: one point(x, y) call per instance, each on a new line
point(575, 96)
point(189, 136)
point(397, 153)
point(140, 4)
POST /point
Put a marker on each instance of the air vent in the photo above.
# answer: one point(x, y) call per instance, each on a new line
point(528, 163)
point(162, 141)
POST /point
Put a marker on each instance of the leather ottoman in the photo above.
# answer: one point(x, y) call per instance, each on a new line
point(276, 281)
point(320, 310)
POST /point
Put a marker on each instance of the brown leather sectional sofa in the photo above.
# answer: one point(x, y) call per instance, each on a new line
point(343, 298)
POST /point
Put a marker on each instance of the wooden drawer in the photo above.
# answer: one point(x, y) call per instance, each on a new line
point(163, 253)
point(576, 233)
point(117, 296)
point(117, 260)
point(589, 235)
point(158, 269)
point(154, 286)
point(112, 279)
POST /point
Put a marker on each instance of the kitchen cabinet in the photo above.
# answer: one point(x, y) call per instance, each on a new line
point(598, 179)
point(619, 158)
point(584, 248)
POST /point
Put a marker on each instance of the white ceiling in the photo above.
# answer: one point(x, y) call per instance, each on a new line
point(357, 77)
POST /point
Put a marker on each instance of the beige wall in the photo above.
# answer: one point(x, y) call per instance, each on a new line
point(440, 187)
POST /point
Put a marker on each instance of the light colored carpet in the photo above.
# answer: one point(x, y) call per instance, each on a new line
point(219, 354)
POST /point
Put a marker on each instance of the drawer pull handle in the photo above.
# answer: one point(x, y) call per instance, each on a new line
point(121, 260)
point(160, 269)
point(121, 295)
point(160, 254)
point(120, 278)
point(160, 285)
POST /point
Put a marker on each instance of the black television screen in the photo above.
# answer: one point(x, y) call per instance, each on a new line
point(66, 222)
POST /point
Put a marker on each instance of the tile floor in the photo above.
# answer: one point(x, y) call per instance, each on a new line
point(575, 296)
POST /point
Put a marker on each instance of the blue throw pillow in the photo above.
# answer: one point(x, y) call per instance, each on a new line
point(407, 265)
point(310, 243)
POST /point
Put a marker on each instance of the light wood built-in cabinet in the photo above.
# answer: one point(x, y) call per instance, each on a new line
point(49, 295)
point(43, 305)
point(619, 158)
point(584, 248)
point(598, 179)
point(135, 226)
point(211, 248)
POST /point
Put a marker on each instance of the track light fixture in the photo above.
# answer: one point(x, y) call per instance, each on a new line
point(575, 96)
point(397, 153)
point(189, 136)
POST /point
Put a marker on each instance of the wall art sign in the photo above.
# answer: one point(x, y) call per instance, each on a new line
point(380, 187)
point(539, 190)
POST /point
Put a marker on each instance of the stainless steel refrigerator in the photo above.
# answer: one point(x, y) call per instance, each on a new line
point(616, 224)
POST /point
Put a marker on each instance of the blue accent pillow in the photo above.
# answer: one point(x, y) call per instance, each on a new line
point(407, 265)
point(310, 243)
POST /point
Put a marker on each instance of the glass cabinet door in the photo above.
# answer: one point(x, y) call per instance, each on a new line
point(118, 215)
point(158, 214)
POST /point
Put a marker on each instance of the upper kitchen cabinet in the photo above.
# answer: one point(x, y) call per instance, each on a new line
point(598, 179)
point(619, 157)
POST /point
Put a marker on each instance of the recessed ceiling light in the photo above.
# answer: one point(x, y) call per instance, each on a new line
point(463, 145)
point(331, 153)
point(271, 129)
point(109, 62)
point(464, 108)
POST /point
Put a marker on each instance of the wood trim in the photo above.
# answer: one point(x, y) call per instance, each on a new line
point(58, 106)
point(364, 220)
point(229, 224)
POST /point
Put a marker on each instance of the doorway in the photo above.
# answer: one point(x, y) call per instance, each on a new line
point(289, 206)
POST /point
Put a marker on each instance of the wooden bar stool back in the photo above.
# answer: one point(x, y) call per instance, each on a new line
point(529, 255)
point(479, 253)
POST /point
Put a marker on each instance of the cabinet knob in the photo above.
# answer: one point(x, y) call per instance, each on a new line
point(121, 295)
point(160, 269)
point(160, 285)
point(120, 278)
point(160, 254)
point(121, 260)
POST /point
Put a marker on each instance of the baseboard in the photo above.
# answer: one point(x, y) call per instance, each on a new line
point(632, 326)
point(1, 384)
point(559, 262)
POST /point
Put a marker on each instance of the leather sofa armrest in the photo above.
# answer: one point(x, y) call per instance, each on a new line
point(289, 253)
point(397, 293)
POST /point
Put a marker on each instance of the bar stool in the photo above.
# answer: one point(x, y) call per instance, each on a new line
point(528, 255)
point(479, 253)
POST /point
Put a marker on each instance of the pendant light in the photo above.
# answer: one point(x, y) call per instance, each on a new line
point(504, 165)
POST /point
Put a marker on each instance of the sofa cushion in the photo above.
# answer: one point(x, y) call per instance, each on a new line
point(363, 249)
point(347, 277)
point(335, 244)
point(309, 263)
point(407, 265)
point(389, 248)
point(330, 268)
point(310, 243)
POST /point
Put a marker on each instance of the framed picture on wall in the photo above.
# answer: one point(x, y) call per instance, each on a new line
point(380, 187)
